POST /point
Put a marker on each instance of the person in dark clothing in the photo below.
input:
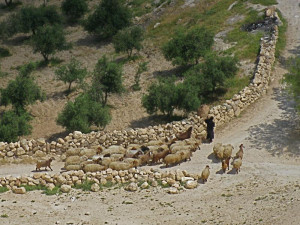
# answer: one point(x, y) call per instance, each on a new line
point(210, 129)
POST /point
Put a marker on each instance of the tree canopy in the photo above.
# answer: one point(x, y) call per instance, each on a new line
point(108, 77)
point(48, 40)
point(128, 39)
point(109, 17)
point(186, 48)
point(72, 72)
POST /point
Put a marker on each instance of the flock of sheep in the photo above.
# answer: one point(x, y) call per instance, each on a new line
point(154, 152)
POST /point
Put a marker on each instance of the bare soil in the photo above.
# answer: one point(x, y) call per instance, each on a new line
point(266, 191)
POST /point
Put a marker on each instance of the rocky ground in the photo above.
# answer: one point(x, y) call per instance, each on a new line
point(266, 191)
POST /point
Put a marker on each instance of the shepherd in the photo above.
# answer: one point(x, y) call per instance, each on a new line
point(210, 129)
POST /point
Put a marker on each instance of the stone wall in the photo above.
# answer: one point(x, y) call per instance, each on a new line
point(29, 150)
point(131, 180)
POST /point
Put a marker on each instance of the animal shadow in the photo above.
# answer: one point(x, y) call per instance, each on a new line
point(220, 171)
point(232, 172)
point(213, 158)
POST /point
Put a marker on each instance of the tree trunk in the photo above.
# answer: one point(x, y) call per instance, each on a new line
point(105, 99)
point(8, 2)
point(45, 57)
point(69, 90)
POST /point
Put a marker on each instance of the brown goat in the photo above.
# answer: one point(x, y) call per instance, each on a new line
point(240, 153)
point(185, 135)
point(225, 164)
point(146, 158)
point(44, 163)
point(160, 155)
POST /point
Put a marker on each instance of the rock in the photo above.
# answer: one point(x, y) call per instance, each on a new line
point(172, 190)
point(61, 141)
point(20, 151)
point(77, 134)
point(65, 188)
point(39, 153)
point(102, 139)
point(156, 25)
point(132, 187)
point(203, 111)
point(50, 186)
point(191, 184)
point(10, 154)
point(41, 141)
point(154, 183)
point(95, 188)
point(145, 185)
point(185, 179)
point(19, 190)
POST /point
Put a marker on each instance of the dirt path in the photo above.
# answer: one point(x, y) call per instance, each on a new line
point(267, 191)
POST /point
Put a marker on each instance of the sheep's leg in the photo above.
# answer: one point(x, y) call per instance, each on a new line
point(50, 168)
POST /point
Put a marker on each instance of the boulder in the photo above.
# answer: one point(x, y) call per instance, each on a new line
point(19, 190)
point(65, 188)
point(191, 184)
point(95, 188)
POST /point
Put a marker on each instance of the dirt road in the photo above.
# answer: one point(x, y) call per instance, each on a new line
point(266, 191)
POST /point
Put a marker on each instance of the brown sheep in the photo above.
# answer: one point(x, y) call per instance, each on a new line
point(240, 152)
point(173, 158)
point(185, 135)
point(237, 163)
point(120, 165)
point(205, 174)
point(160, 155)
point(145, 159)
point(44, 163)
point(227, 151)
point(187, 154)
point(225, 164)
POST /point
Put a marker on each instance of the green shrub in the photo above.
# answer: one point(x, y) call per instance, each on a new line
point(108, 77)
point(74, 9)
point(48, 40)
point(31, 18)
point(109, 17)
point(185, 48)
point(82, 113)
point(22, 91)
point(72, 72)
point(14, 125)
point(128, 39)
point(264, 2)
point(3, 189)
point(4, 52)
point(85, 186)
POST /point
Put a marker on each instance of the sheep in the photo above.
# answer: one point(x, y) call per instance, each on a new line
point(205, 174)
point(120, 165)
point(134, 162)
point(145, 158)
point(184, 135)
point(93, 168)
point(227, 151)
point(173, 158)
point(160, 155)
point(73, 167)
point(72, 152)
point(218, 150)
point(133, 146)
point(225, 164)
point(237, 163)
point(44, 163)
point(175, 149)
point(240, 152)
point(75, 160)
point(117, 157)
point(106, 161)
point(133, 153)
point(114, 149)
point(187, 154)
point(88, 152)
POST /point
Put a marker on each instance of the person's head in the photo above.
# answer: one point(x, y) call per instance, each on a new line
point(211, 118)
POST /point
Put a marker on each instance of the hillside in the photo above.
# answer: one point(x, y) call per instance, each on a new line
point(160, 20)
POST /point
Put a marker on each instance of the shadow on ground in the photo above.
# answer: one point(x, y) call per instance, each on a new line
point(281, 136)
